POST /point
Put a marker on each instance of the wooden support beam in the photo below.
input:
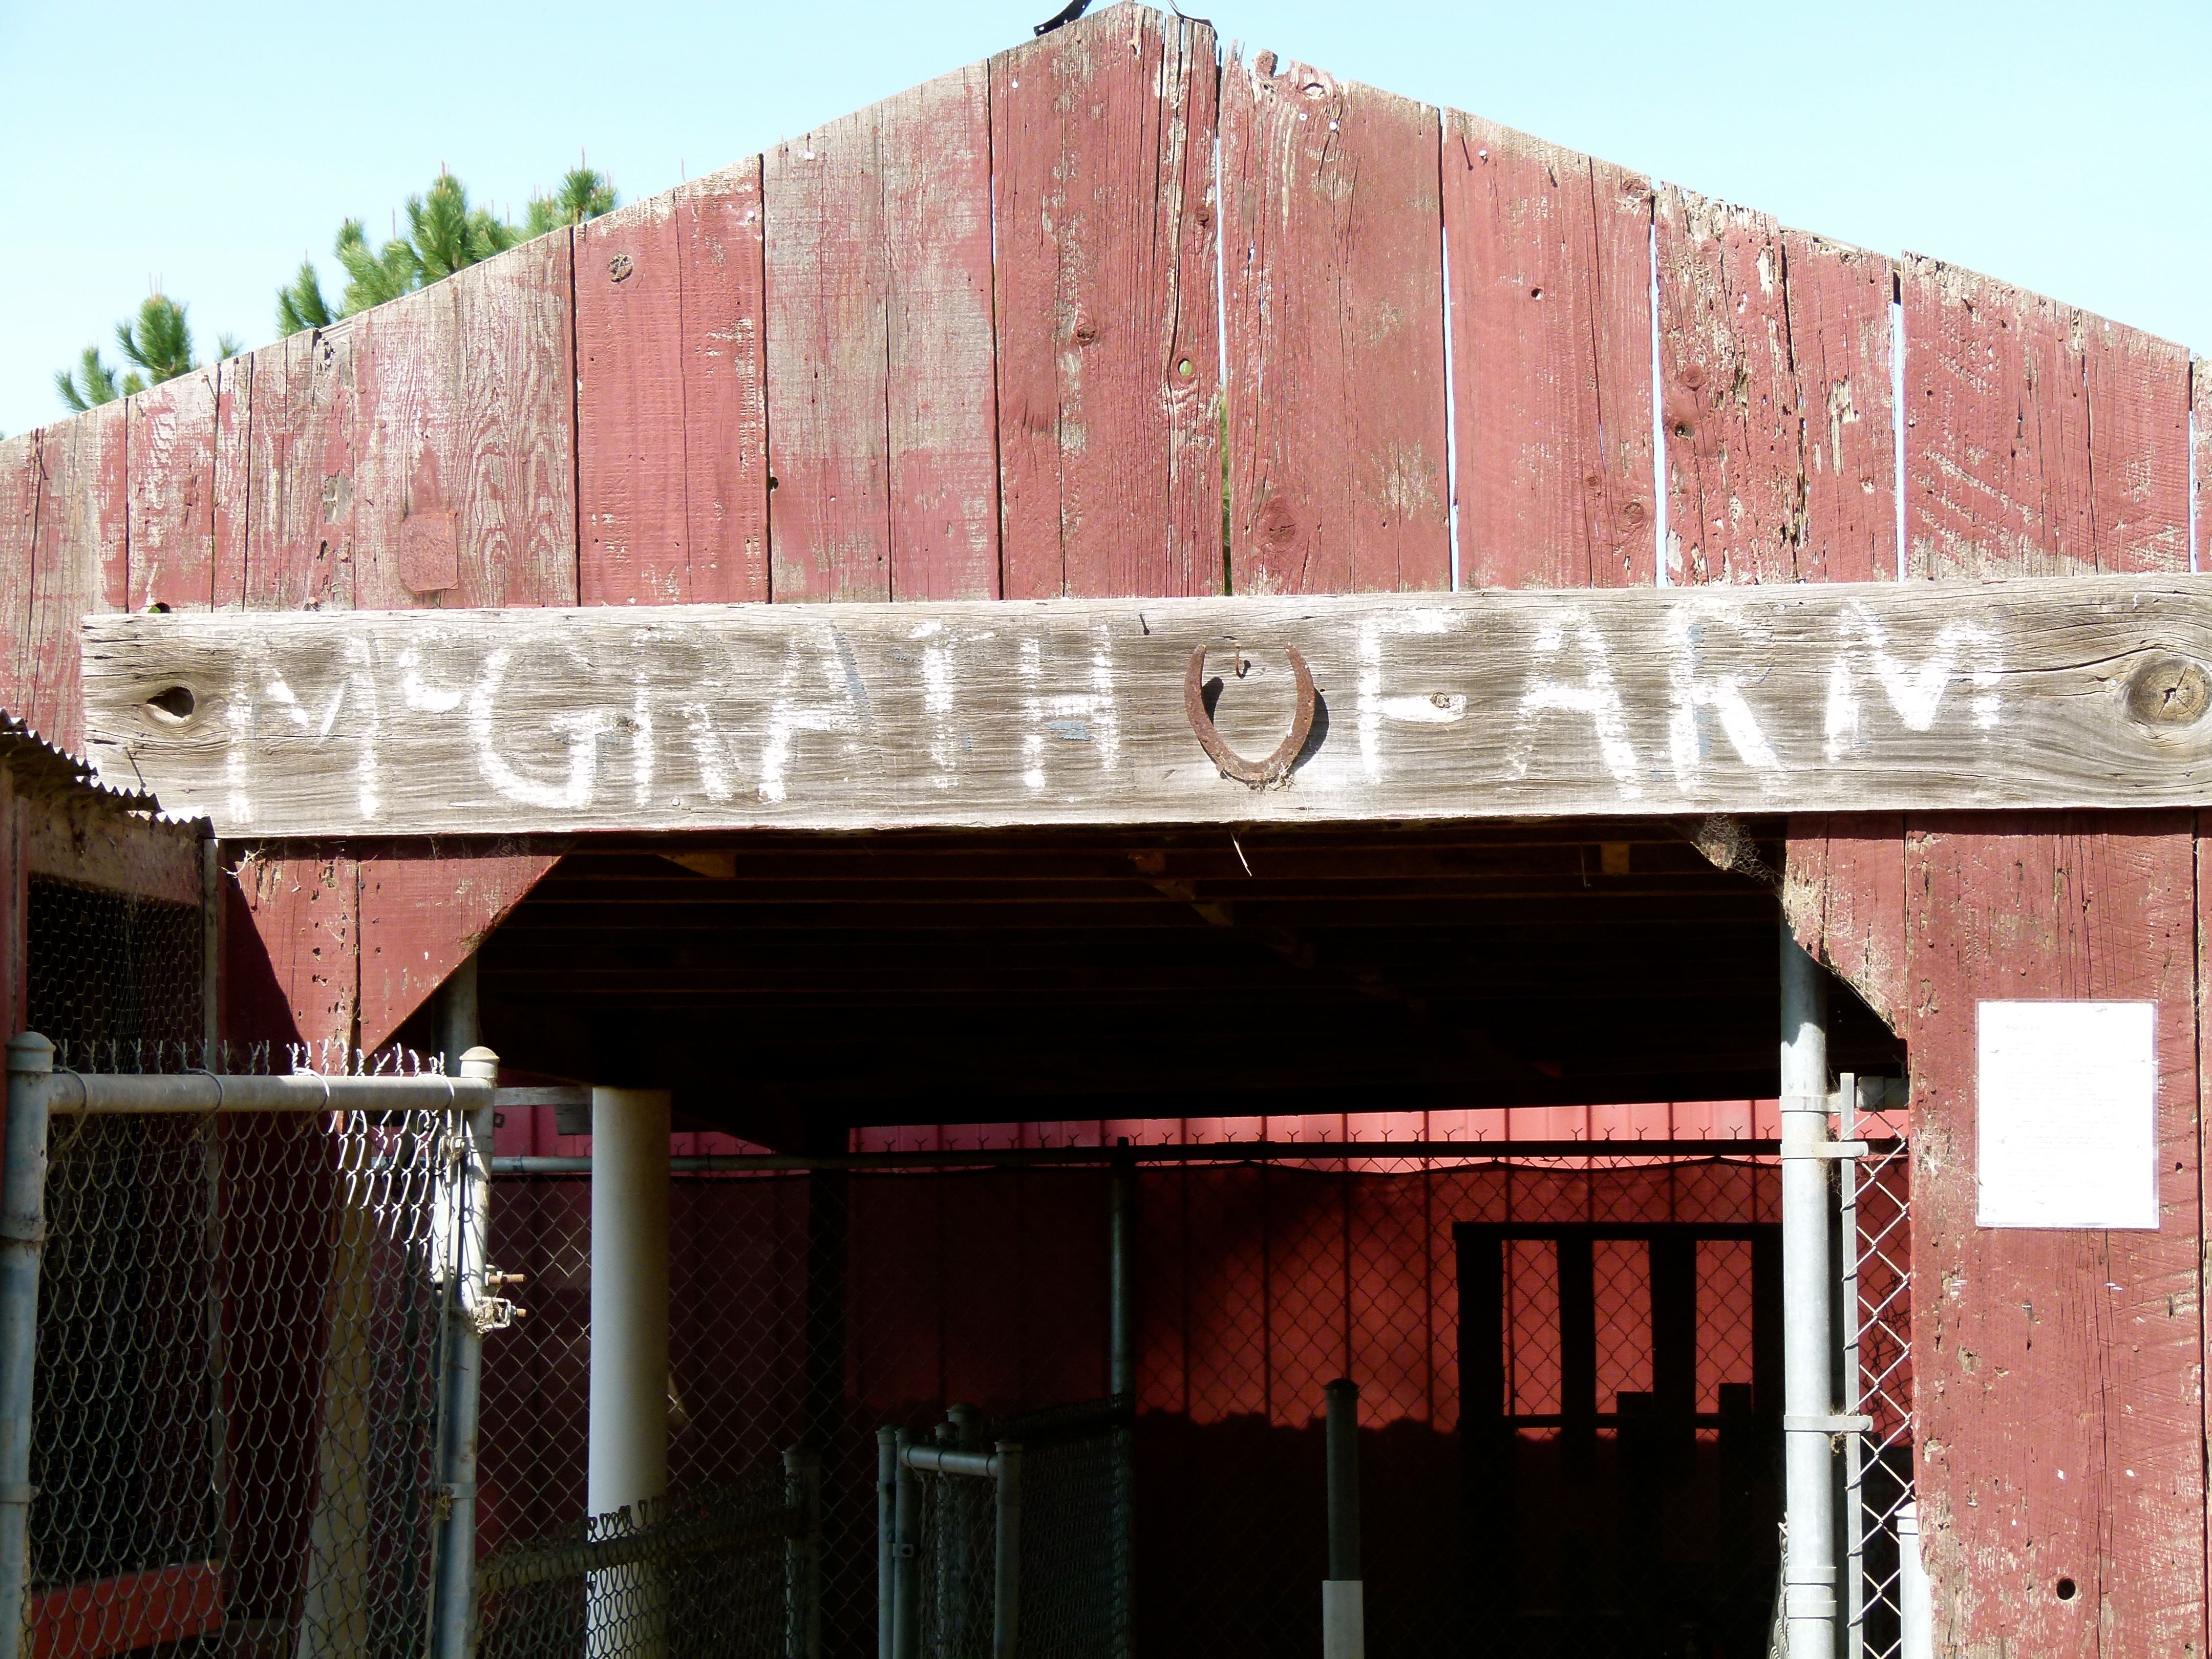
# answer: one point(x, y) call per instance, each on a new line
point(1876, 697)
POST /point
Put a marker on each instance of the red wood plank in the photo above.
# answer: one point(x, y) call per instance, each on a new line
point(1840, 302)
point(1334, 319)
point(2060, 1416)
point(292, 968)
point(2200, 389)
point(827, 275)
point(301, 472)
point(420, 919)
point(81, 563)
point(465, 404)
point(172, 493)
point(2049, 442)
point(233, 477)
point(2137, 387)
point(1109, 345)
point(1551, 318)
point(1843, 892)
point(879, 351)
point(725, 386)
point(633, 544)
point(934, 144)
point(1774, 366)
point(671, 406)
point(21, 477)
point(457, 400)
point(2005, 448)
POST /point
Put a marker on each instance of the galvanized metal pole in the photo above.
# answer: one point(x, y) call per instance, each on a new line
point(454, 1613)
point(887, 1484)
point(22, 1246)
point(906, 1567)
point(1121, 1293)
point(1809, 1419)
point(1006, 1570)
point(802, 1554)
point(1122, 1384)
point(1854, 1447)
point(1343, 1594)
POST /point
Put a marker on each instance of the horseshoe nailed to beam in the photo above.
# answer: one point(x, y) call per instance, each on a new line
point(2081, 692)
point(1276, 766)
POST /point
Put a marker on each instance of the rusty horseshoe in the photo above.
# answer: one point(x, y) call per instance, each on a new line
point(1276, 766)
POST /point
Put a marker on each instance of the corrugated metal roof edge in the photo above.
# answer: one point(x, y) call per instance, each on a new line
point(36, 758)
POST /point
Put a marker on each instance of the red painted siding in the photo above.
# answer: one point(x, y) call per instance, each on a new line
point(1334, 320)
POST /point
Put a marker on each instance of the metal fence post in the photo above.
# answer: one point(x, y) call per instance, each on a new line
point(1006, 1568)
point(887, 1482)
point(1852, 1519)
point(1122, 1384)
point(906, 1554)
point(1808, 1336)
point(1343, 1614)
point(802, 1555)
point(454, 1630)
point(22, 1246)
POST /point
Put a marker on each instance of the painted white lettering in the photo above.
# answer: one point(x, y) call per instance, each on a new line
point(362, 685)
point(1914, 695)
point(795, 710)
point(1722, 695)
point(583, 731)
point(1092, 717)
point(1596, 698)
point(1375, 708)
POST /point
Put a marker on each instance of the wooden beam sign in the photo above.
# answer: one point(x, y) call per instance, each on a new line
point(1898, 696)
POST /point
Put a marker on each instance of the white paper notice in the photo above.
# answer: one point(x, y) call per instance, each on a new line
point(2068, 1114)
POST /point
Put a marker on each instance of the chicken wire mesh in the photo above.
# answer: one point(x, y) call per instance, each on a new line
point(719, 1570)
point(114, 980)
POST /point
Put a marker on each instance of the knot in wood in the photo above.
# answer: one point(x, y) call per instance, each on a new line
point(2169, 691)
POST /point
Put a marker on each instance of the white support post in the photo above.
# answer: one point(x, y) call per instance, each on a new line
point(1916, 1631)
point(627, 1462)
point(1809, 1353)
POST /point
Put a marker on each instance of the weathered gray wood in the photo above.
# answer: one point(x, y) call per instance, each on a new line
point(1884, 696)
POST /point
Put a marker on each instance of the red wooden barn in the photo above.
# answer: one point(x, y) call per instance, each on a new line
point(782, 665)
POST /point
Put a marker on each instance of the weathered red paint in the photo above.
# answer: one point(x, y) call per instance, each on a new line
point(2059, 1373)
point(1110, 455)
point(1334, 320)
point(171, 535)
point(668, 343)
point(1551, 297)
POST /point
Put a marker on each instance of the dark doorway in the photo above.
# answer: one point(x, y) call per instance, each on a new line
point(1621, 1433)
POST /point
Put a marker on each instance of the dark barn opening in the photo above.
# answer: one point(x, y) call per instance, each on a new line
point(1569, 1414)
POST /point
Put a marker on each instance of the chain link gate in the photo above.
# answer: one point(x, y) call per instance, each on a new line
point(1011, 1543)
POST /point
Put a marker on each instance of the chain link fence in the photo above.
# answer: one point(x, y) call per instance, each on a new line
point(722, 1570)
point(1639, 1373)
point(238, 1411)
point(1877, 1312)
point(235, 1408)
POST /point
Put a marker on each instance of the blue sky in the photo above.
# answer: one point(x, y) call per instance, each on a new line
point(210, 147)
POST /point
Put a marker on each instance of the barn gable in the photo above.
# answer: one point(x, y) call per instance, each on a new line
point(1110, 316)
